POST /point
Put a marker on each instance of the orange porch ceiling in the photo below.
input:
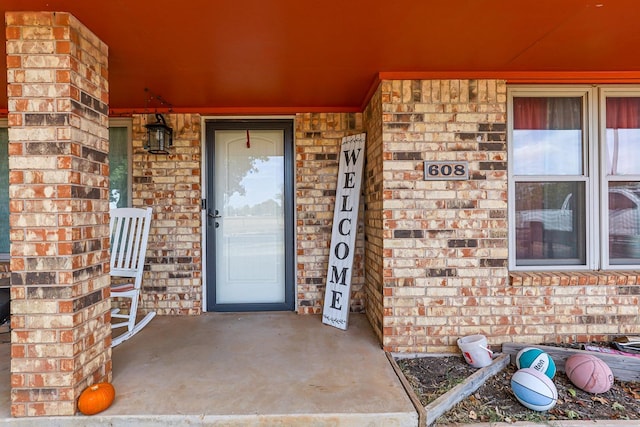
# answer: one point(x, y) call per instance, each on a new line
point(244, 56)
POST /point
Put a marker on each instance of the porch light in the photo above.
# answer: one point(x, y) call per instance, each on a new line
point(159, 136)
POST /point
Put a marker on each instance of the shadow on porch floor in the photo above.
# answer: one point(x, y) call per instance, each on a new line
point(247, 369)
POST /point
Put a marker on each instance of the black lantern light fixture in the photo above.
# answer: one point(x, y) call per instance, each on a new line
point(159, 136)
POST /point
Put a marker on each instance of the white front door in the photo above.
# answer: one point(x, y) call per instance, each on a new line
point(248, 218)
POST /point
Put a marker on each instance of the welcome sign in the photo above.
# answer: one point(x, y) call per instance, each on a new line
point(337, 296)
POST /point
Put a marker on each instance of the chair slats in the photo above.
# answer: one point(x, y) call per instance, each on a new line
point(129, 228)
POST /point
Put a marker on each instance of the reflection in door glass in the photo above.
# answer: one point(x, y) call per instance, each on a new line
point(260, 190)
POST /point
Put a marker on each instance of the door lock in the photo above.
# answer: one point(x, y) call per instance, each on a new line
point(214, 215)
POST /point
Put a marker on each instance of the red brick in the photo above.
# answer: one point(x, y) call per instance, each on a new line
point(37, 409)
point(14, 119)
point(17, 350)
point(13, 33)
point(14, 61)
point(62, 19)
point(67, 365)
point(30, 18)
point(61, 33)
point(65, 307)
point(63, 76)
point(18, 410)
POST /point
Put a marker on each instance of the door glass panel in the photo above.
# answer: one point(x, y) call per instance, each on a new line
point(249, 198)
point(550, 223)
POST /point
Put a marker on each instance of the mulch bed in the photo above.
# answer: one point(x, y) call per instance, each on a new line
point(494, 401)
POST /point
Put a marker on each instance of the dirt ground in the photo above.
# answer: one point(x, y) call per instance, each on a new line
point(494, 401)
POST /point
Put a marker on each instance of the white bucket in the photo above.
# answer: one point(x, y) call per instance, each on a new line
point(475, 351)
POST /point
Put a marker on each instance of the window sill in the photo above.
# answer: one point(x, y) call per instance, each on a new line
point(571, 278)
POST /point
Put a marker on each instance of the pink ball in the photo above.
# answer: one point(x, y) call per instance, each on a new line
point(589, 373)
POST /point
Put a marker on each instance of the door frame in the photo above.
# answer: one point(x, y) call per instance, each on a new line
point(209, 244)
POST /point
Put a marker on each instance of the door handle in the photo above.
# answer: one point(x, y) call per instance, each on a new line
point(214, 216)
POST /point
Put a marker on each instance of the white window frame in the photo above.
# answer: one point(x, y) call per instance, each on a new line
point(589, 174)
point(595, 174)
point(604, 92)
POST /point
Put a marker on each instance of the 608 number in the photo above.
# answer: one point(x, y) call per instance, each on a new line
point(446, 170)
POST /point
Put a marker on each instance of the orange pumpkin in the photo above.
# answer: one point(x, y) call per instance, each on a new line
point(96, 398)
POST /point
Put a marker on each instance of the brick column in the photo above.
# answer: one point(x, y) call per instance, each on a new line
point(58, 148)
point(373, 216)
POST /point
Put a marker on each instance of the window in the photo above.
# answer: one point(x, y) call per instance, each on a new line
point(119, 164)
point(119, 155)
point(4, 191)
point(622, 178)
point(574, 188)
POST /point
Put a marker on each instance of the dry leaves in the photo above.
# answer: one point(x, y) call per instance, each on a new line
point(494, 401)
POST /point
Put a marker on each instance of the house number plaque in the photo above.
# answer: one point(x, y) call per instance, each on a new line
point(434, 171)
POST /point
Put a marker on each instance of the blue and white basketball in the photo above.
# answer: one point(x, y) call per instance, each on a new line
point(531, 357)
point(534, 389)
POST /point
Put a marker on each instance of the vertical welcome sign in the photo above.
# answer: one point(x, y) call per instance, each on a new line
point(343, 236)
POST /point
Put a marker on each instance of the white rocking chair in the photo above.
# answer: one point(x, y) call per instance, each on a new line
point(129, 230)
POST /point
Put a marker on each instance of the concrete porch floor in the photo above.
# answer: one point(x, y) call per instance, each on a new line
point(244, 369)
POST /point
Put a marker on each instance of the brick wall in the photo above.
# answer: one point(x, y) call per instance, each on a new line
point(434, 267)
point(444, 242)
point(58, 145)
point(171, 185)
point(318, 138)
point(572, 307)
